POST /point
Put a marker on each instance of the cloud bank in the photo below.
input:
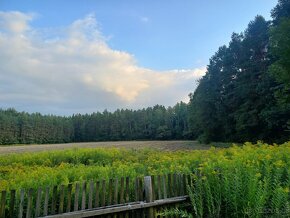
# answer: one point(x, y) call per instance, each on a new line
point(73, 70)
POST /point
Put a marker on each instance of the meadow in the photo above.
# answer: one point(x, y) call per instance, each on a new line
point(248, 180)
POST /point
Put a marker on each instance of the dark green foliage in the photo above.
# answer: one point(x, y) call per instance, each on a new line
point(281, 10)
point(157, 123)
point(280, 50)
point(245, 94)
point(24, 128)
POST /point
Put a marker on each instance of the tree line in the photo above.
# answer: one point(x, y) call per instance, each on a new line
point(152, 123)
point(245, 93)
point(244, 96)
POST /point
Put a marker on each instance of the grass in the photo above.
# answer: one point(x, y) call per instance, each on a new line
point(239, 181)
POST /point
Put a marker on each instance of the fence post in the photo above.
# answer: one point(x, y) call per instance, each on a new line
point(148, 195)
point(12, 203)
point(3, 204)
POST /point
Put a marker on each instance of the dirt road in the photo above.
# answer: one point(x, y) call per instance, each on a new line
point(164, 145)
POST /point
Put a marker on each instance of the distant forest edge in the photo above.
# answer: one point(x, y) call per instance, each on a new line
point(151, 123)
point(244, 96)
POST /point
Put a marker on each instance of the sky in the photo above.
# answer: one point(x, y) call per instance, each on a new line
point(64, 57)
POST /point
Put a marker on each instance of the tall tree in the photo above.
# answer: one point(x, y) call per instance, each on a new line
point(236, 99)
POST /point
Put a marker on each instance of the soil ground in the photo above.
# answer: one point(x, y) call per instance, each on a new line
point(163, 145)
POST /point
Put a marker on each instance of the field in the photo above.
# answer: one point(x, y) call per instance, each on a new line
point(43, 165)
point(161, 145)
point(226, 181)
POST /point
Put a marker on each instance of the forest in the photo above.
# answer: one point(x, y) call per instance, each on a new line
point(244, 96)
point(151, 123)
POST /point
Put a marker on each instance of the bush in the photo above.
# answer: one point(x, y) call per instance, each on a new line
point(248, 181)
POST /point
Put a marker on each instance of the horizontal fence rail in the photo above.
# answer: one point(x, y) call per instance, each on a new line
point(123, 197)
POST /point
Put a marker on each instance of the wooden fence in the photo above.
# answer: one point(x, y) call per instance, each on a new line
point(123, 197)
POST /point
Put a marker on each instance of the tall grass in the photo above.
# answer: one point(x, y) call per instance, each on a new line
point(240, 181)
point(248, 181)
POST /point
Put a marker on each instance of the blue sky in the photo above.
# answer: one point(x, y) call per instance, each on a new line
point(166, 41)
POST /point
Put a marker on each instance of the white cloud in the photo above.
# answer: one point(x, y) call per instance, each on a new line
point(74, 70)
point(15, 22)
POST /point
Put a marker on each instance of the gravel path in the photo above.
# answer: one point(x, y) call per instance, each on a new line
point(164, 145)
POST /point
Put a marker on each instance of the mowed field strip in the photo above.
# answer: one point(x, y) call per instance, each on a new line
point(163, 145)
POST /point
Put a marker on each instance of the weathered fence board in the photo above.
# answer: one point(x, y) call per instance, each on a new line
point(120, 208)
point(2, 204)
point(21, 203)
point(118, 197)
point(38, 201)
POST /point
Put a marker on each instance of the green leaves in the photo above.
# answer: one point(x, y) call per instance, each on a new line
point(238, 99)
point(149, 123)
point(249, 183)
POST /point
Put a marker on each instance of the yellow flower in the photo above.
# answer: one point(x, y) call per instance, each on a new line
point(279, 163)
point(258, 175)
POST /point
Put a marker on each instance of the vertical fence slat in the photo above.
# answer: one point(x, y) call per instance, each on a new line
point(97, 200)
point(149, 195)
point(104, 193)
point(164, 186)
point(29, 203)
point(140, 190)
point(69, 195)
point(136, 213)
point(76, 202)
point(91, 191)
point(46, 199)
point(127, 197)
point(110, 192)
point(54, 200)
point(181, 185)
point(175, 186)
point(84, 192)
point(116, 189)
point(122, 201)
point(141, 195)
point(38, 201)
point(21, 203)
point(127, 194)
point(153, 187)
point(12, 203)
point(3, 204)
point(159, 186)
point(137, 189)
point(61, 199)
point(184, 183)
point(169, 188)
point(178, 191)
point(154, 192)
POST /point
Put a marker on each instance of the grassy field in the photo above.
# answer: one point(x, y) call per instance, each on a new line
point(228, 182)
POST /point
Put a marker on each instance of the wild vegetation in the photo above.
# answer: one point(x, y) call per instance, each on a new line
point(244, 96)
point(241, 182)
point(227, 182)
